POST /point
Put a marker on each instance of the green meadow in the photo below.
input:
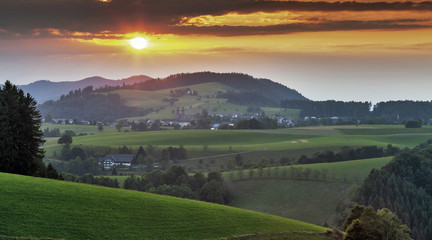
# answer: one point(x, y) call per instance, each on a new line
point(354, 171)
point(292, 142)
point(43, 208)
point(313, 200)
point(310, 201)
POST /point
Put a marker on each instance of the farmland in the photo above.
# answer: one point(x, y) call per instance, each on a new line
point(280, 191)
point(310, 201)
point(354, 171)
point(42, 208)
point(275, 143)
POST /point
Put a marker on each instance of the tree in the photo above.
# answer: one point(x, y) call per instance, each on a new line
point(78, 152)
point(212, 191)
point(124, 150)
point(164, 158)
point(150, 149)
point(155, 126)
point(149, 164)
point(238, 160)
point(197, 181)
point(65, 139)
point(48, 118)
point(51, 172)
point(66, 152)
point(20, 134)
point(413, 124)
point(217, 176)
point(364, 223)
point(120, 125)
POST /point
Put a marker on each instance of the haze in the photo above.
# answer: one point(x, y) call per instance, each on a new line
point(362, 51)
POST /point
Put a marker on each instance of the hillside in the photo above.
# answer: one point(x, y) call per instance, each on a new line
point(44, 90)
point(275, 92)
point(180, 97)
point(35, 208)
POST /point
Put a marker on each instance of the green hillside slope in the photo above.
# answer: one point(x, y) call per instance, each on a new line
point(34, 207)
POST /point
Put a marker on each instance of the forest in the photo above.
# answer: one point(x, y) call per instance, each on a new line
point(405, 187)
point(84, 104)
point(381, 113)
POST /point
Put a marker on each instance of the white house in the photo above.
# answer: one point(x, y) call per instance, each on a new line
point(117, 160)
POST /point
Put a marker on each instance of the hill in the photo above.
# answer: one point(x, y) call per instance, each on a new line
point(220, 93)
point(264, 88)
point(36, 208)
point(44, 90)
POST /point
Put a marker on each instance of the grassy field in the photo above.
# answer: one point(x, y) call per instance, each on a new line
point(88, 129)
point(309, 201)
point(42, 208)
point(191, 104)
point(312, 200)
point(292, 142)
point(354, 171)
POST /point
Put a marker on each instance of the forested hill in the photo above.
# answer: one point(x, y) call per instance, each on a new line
point(84, 104)
point(273, 91)
point(44, 90)
point(405, 187)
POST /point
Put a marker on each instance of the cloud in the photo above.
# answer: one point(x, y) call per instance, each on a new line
point(36, 17)
point(302, 27)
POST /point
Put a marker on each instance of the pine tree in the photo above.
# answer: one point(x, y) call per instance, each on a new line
point(20, 134)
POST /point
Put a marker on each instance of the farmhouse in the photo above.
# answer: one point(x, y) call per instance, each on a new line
point(117, 160)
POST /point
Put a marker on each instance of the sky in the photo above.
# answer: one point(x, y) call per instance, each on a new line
point(340, 50)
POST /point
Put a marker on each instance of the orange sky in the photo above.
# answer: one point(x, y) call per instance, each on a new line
point(317, 48)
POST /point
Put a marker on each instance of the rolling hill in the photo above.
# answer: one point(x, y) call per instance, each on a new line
point(44, 90)
point(266, 88)
point(42, 208)
point(221, 93)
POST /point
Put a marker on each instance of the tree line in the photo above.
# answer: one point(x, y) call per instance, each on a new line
point(176, 182)
point(382, 112)
point(347, 153)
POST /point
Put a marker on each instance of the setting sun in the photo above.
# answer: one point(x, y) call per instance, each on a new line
point(138, 43)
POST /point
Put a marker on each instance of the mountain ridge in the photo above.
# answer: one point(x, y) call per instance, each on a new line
point(44, 90)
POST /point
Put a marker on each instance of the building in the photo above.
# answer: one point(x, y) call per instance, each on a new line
point(117, 160)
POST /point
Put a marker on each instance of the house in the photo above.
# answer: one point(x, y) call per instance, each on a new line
point(117, 160)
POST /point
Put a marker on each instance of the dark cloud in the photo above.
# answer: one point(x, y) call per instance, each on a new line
point(160, 16)
point(302, 27)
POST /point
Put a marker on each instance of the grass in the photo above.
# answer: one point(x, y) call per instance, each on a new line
point(89, 129)
point(309, 201)
point(191, 104)
point(347, 171)
point(293, 142)
point(42, 208)
point(395, 129)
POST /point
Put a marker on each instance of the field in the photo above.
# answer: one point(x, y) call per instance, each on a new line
point(191, 104)
point(310, 201)
point(354, 171)
point(272, 143)
point(41, 208)
point(276, 190)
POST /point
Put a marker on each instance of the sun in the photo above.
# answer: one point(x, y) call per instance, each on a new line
point(139, 43)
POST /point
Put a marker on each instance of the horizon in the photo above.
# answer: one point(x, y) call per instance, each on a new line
point(362, 51)
point(373, 103)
